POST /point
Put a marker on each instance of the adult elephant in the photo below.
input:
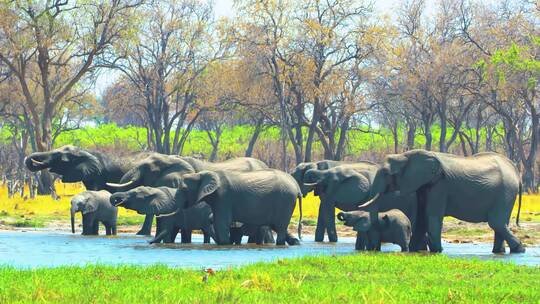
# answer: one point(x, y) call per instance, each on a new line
point(167, 171)
point(143, 199)
point(94, 169)
point(480, 188)
point(348, 186)
point(95, 208)
point(258, 198)
point(300, 171)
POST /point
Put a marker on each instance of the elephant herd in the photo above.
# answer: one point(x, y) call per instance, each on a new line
point(402, 201)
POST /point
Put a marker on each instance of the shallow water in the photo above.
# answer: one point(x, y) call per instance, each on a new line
point(49, 249)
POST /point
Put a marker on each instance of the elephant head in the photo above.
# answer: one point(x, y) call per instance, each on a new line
point(160, 201)
point(155, 170)
point(84, 203)
point(71, 163)
point(409, 171)
point(339, 184)
point(298, 175)
point(362, 221)
point(198, 186)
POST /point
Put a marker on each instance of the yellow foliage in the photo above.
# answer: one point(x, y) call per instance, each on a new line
point(44, 205)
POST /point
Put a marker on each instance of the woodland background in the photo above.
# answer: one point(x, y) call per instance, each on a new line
point(283, 81)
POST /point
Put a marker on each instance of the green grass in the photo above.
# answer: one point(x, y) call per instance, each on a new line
point(362, 278)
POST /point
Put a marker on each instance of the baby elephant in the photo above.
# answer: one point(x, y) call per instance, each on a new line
point(392, 226)
point(95, 207)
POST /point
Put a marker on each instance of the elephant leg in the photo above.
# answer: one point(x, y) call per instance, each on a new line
point(174, 234)
point(95, 228)
point(222, 226)
point(87, 227)
point(374, 241)
point(498, 243)
point(267, 235)
point(497, 222)
point(419, 230)
point(108, 230)
point(146, 229)
point(206, 237)
point(185, 235)
point(321, 225)
point(291, 240)
point(236, 234)
point(281, 237)
point(361, 241)
point(159, 237)
point(331, 224)
point(434, 233)
point(113, 228)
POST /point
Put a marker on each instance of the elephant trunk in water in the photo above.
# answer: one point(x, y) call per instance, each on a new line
point(73, 210)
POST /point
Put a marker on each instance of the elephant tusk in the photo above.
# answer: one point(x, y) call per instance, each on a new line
point(35, 162)
point(370, 202)
point(119, 202)
point(168, 214)
point(119, 185)
point(310, 184)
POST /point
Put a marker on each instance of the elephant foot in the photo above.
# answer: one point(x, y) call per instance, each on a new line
point(435, 250)
point(500, 250)
point(293, 241)
point(518, 249)
point(143, 232)
point(319, 239)
point(332, 238)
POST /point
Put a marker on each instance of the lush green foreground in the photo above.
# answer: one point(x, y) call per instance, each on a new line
point(388, 278)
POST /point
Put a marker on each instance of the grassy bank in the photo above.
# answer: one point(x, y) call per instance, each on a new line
point(363, 278)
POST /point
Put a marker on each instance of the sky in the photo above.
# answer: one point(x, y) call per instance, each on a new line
point(224, 8)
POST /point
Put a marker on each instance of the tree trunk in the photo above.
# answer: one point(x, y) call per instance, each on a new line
point(254, 137)
point(411, 134)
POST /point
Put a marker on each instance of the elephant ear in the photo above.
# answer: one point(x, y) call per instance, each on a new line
point(353, 183)
point(163, 204)
point(395, 163)
point(180, 166)
point(209, 184)
point(384, 223)
point(90, 206)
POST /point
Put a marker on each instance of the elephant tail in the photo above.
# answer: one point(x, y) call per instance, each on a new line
point(300, 219)
point(519, 202)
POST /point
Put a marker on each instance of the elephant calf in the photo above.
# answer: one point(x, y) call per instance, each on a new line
point(392, 226)
point(95, 207)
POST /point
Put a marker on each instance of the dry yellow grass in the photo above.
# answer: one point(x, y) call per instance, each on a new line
point(47, 207)
point(43, 205)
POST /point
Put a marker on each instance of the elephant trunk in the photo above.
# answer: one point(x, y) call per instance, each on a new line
point(73, 210)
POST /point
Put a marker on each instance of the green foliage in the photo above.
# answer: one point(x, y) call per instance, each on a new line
point(233, 142)
point(361, 278)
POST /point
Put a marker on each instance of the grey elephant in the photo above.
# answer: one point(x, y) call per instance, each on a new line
point(259, 198)
point(157, 170)
point(94, 169)
point(348, 186)
point(300, 170)
point(145, 200)
point(480, 188)
point(167, 171)
point(95, 208)
point(392, 226)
